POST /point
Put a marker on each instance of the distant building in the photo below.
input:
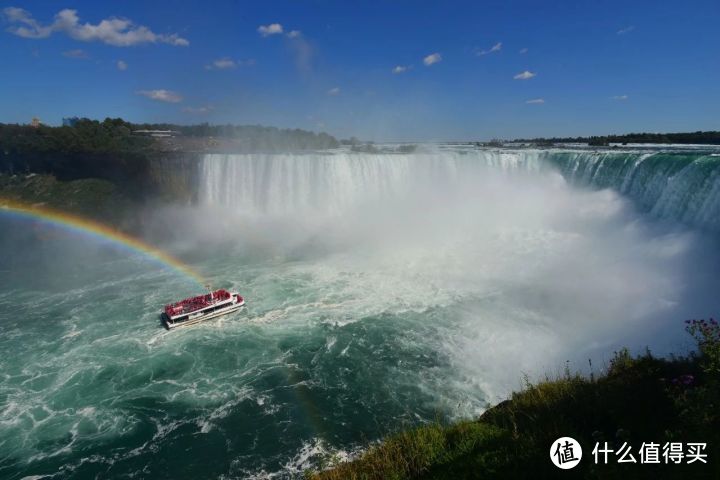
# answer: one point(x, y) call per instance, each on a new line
point(70, 121)
point(35, 123)
point(156, 133)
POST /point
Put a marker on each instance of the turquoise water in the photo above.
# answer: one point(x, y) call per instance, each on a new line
point(91, 384)
point(368, 311)
point(676, 185)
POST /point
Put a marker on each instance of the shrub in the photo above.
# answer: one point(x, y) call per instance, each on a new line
point(707, 335)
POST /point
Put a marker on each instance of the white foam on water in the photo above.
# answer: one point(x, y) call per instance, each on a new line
point(310, 454)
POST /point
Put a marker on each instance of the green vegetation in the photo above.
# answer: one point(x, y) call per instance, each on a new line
point(114, 135)
point(90, 197)
point(86, 136)
point(638, 399)
point(414, 453)
point(253, 137)
point(701, 138)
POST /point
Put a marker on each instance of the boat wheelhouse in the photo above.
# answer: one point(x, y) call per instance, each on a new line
point(203, 307)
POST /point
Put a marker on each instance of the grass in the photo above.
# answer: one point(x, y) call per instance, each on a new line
point(638, 399)
point(412, 453)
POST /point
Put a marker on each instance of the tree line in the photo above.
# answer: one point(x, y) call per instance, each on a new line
point(116, 135)
point(699, 137)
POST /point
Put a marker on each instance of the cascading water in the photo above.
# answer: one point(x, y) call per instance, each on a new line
point(681, 186)
point(383, 290)
point(331, 182)
point(677, 186)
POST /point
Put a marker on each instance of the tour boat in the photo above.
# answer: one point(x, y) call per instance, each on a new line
point(203, 307)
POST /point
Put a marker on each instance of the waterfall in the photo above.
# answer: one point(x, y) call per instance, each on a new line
point(332, 182)
point(680, 186)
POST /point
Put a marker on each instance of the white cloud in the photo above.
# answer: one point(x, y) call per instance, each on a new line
point(432, 59)
point(399, 69)
point(334, 91)
point(161, 95)
point(227, 63)
point(526, 75)
point(625, 30)
point(620, 97)
point(198, 110)
point(495, 48)
point(272, 29)
point(523, 51)
point(221, 64)
point(29, 27)
point(77, 53)
point(294, 33)
point(224, 63)
point(119, 32)
point(121, 65)
point(536, 101)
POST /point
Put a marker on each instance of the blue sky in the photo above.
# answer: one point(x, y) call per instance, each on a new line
point(467, 70)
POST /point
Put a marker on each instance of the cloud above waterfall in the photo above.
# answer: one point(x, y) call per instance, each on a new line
point(115, 31)
point(227, 63)
point(526, 75)
point(495, 48)
point(161, 95)
point(271, 29)
point(432, 59)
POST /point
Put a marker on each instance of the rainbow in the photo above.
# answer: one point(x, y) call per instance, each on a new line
point(84, 226)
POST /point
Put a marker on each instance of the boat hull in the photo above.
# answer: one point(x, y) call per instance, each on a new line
point(169, 324)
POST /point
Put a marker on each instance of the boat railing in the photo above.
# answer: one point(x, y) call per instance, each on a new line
point(196, 303)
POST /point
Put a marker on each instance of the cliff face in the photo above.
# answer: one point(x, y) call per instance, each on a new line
point(88, 197)
point(173, 176)
point(115, 189)
point(118, 168)
point(149, 176)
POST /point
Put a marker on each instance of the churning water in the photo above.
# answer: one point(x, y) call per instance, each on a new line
point(383, 291)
